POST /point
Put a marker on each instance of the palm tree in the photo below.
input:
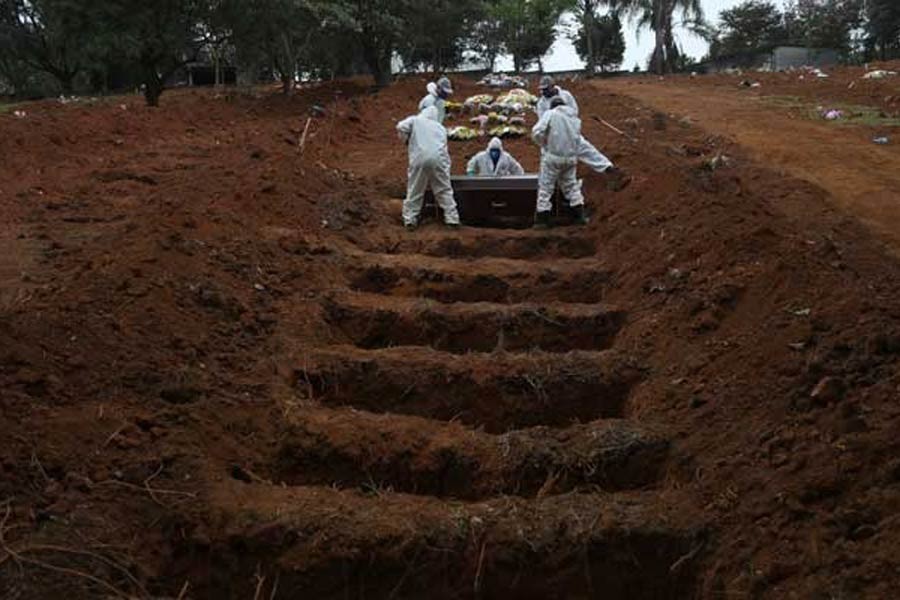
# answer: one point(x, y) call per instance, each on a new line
point(658, 15)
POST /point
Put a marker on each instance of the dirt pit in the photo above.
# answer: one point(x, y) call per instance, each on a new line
point(228, 372)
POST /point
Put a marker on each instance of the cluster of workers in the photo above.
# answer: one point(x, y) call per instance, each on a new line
point(557, 132)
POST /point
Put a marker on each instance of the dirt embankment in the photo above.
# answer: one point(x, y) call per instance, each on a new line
point(227, 371)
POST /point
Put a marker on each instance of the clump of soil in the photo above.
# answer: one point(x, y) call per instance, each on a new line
point(694, 396)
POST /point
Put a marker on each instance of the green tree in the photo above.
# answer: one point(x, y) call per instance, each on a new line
point(438, 31)
point(824, 23)
point(378, 27)
point(658, 16)
point(528, 28)
point(51, 36)
point(749, 26)
point(485, 39)
point(604, 48)
point(883, 28)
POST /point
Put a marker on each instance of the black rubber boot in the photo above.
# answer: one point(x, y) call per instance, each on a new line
point(579, 216)
point(542, 220)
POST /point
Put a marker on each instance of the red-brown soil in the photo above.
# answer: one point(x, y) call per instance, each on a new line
point(227, 371)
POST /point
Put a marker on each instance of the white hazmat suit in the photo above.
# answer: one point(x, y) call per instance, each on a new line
point(482, 163)
point(435, 97)
point(429, 166)
point(587, 153)
point(558, 132)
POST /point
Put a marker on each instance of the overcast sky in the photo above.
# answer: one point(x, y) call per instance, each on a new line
point(638, 45)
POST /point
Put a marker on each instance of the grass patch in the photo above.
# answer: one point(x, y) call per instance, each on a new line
point(853, 114)
point(8, 107)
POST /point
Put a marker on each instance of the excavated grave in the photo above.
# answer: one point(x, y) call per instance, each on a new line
point(498, 391)
point(527, 244)
point(350, 448)
point(373, 321)
point(320, 543)
point(484, 280)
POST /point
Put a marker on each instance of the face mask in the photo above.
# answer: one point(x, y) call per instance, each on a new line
point(443, 95)
point(548, 92)
point(495, 155)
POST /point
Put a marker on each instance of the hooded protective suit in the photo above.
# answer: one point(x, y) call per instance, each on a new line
point(587, 153)
point(543, 103)
point(429, 166)
point(558, 133)
point(483, 164)
point(434, 99)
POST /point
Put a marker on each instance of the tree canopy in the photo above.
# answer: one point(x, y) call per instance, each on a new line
point(65, 46)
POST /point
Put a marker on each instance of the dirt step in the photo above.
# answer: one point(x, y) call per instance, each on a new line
point(498, 391)
point(328, 544)
point(419, 456)
point(376, 321)
point(480, 280)
point(470, 242)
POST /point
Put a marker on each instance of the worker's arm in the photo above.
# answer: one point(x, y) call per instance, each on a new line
point(472, 167)
point(404, 128)
point(539, 131)
point(514, 166)
point(570, 101)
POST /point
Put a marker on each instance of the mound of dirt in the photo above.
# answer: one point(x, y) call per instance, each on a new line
point(228, 372)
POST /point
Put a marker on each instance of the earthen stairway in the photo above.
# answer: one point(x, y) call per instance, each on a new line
point(465, 437)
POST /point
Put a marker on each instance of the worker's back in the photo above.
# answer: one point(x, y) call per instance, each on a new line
point(560, 129)
point(438, 103)
point(427, 140)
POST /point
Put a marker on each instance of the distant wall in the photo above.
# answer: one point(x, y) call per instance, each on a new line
point(787, 57)
point(773, 59)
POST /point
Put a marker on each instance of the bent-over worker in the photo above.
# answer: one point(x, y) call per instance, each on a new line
point(558, 132)
point(494, 161)
point(429, 166)
point(437, 97)
point(587, 153)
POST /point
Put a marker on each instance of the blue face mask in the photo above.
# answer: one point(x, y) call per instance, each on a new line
point(443, 95)
point(495, 155)
point(549, 92)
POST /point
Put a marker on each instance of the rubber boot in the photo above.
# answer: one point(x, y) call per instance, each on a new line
point(411, 226)
point(578, 215)
point(542, 220)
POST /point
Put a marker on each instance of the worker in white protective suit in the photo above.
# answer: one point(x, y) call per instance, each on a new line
point(437, 97)
point(494, 162)
point(587, 153)
point(558, 132)
point(429, 166)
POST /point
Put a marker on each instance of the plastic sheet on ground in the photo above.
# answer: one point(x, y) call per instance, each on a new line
point(879, 74)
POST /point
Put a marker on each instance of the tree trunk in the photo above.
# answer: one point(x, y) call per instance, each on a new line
point(589, 38)
point(287, 83)
point(66, 82)
point(658, 61)
point(379, 63)
point(153, 89)
point(217, 65)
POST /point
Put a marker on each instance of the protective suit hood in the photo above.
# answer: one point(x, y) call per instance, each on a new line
point(432, 88)
point(495, 144)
